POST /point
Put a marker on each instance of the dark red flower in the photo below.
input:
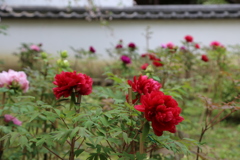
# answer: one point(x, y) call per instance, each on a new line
point(162, 110)
point(188, 38)
point(125, 59)
point(152, 56)
point(132, 46)
point(68, 81)
point(197, 46)
point(144, 55)
point(119, 46)
point(91, 49)
point(205, 58)
point(157, 63)
point(144, 85)
point(144, 66)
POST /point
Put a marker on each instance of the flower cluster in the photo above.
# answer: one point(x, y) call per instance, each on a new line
point(8, 118)
point(14, 80)
point(162, 110)
point(155, 61)
point(67, 82)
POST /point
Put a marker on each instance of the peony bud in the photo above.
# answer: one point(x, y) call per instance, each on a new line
point(64, 54)
point(44, 55)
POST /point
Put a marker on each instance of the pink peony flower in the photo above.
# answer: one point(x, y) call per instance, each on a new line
point(170, 45)
point(8, 118)
point(4, 79)
point(163, 46)
point(17, 122)
point(183, 48)
point(215, 44)
point(7, 79)
point(35, 48)
point(19, 77)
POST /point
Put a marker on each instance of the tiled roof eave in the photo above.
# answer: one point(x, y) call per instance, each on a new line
point(135, 12)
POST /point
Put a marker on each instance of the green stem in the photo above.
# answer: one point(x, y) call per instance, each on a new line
point(74, 139)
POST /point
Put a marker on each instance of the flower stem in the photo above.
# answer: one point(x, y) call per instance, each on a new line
point(141, 143)
point(74, 139)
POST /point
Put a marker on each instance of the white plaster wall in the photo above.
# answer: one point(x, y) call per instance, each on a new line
point(60, 34)
point(65, 3)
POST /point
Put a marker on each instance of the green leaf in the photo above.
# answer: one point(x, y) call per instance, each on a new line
point(156, 78)
point(40, 142)
point(4, 89)
point(74, 131)
point(145, 131)
point(78, 152)
point(125, 138)
point(35, 115)
point(104, 121)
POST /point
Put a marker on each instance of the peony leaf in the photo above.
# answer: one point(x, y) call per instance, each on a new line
point(145, 131)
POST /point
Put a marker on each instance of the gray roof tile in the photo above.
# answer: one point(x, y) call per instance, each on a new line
point(135, 12)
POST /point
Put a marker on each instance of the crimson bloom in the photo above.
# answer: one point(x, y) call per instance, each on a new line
point(125, 59)
point(205, 58)
point(68, 81)
point(119, 46)
point(132, 46)
point(215, 44)
point(188, 38)
point(144, 66)
point(162, 110)
point(144, 85)
point(91, 49)
point(157, 63)
point(197, 46)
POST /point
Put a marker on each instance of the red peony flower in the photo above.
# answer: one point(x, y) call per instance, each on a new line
point(144, 55)
point(205, 58)
point(132, 46)
point(144, 85)
point(152, 56)
point(119, 46)
point(162, 110)
point(144, 66)
point(188, 38)
point(215, 44)
point(197, 46)
point(91, 49)
point(68, 81)
point(157, 63)
point(125, 59)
